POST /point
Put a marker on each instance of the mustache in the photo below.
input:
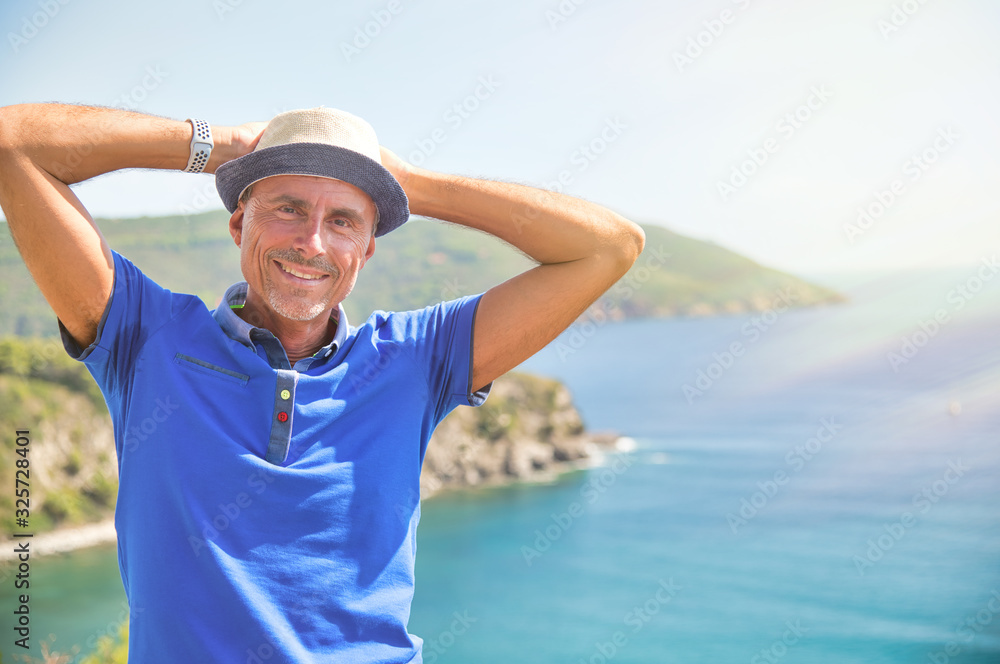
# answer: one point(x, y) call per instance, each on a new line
point(293, 257)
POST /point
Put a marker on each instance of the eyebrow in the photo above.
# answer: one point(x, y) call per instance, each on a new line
point(347, 213)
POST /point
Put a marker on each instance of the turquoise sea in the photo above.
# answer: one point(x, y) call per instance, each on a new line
point(820, 500)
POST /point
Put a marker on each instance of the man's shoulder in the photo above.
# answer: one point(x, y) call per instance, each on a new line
point(140, 314)
point(139, 298)
point(407, 323)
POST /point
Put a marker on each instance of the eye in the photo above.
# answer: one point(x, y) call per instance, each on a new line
point(344, 223)
point(287, 209)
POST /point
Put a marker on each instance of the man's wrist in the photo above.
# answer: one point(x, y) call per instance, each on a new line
point(201, 146)
point(227, 147)
point(233, 142)
point(419, 184)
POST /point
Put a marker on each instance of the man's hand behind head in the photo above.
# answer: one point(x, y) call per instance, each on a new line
point(399, 169)
point(238, 141)
point(253, 131)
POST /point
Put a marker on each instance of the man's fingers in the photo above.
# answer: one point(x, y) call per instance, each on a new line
point(255, 130)
point(396, 166)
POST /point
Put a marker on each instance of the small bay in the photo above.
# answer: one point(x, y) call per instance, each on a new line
point(813, 501)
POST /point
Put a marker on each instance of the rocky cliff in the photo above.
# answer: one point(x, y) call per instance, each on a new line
point(527, 430)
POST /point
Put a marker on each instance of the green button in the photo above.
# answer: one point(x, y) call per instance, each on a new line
point(285, 394)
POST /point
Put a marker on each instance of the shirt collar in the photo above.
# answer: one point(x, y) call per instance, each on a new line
point(239, 330)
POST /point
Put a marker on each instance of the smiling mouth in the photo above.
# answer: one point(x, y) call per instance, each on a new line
point(287, 269)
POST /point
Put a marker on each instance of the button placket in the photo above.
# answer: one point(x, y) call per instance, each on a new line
point(281, 425)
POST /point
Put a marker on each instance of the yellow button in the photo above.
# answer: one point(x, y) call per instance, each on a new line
point(285, 394)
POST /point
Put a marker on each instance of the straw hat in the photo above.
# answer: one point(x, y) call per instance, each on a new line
point(318, 141)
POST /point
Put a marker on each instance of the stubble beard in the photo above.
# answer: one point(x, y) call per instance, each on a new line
point(298, 304)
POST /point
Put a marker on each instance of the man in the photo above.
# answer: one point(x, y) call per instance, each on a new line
point(284, 461)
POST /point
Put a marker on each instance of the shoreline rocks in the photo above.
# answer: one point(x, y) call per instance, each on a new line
point(527, 431)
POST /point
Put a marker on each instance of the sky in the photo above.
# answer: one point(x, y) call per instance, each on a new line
point(814, 137)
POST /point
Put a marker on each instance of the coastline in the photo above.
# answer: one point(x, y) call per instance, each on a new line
point(75, 538)
point(66, 540)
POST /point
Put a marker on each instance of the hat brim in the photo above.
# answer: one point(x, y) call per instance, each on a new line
point(322, 160)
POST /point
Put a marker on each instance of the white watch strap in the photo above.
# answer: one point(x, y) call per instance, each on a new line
point(201, 146)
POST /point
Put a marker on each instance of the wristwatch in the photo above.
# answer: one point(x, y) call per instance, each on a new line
point(201, 146)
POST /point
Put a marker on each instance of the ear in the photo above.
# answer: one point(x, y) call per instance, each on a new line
point(236, 225)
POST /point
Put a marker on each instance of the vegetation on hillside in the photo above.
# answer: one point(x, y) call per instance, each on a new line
point(70, 459)
point(109, 649)
point(419, 264)
point(422, 263)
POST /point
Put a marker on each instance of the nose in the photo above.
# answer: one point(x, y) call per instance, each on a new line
point(309, 239)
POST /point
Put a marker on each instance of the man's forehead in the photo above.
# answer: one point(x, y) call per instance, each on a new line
point(310, 190)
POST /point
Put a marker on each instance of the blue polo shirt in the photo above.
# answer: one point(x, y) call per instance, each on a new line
point(267, 513)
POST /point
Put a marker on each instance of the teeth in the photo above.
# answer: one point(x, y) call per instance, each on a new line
point(299, 274)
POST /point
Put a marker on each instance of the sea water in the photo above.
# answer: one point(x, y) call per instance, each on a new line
point(810, 485)
point(828, 491)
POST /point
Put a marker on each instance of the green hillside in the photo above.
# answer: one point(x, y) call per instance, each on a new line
point(422, 263)
point(73, 473)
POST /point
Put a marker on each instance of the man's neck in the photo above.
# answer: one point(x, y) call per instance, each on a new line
point(299, 338)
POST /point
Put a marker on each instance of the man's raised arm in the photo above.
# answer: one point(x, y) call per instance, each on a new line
point(44, 148)
point(582, 248)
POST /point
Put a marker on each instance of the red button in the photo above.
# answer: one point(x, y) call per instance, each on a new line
point(282, 416)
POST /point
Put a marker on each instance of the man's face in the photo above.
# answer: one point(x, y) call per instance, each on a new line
point(302, 241)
